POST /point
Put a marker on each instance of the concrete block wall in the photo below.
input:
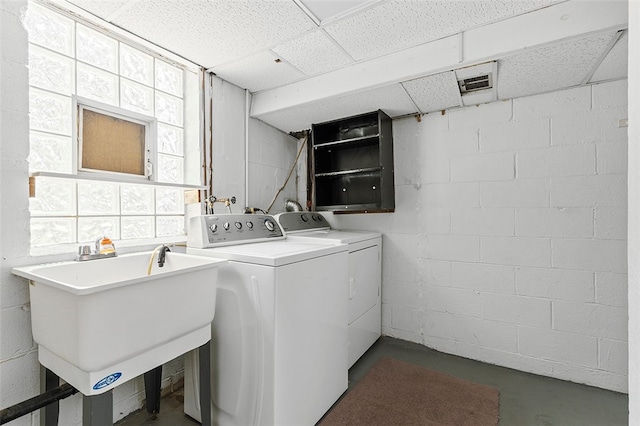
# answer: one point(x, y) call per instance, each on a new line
point(508, 243)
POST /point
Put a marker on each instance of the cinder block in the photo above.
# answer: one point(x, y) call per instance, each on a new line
point(612, 157)
point(611, 289)
point(516, 135)
point(518, 310)
point(436, 221)
point(405, 319)
point(480, 116)
point(516, 251)
point(450, 195)
point(550, 104)
point(483, 277)
point(16, 332)
point(515, 193)
point(613, 356)
point(20, 378)
point(551, 283)
point(610, 94)
point(590, 319)
point(611, 223)
point(402, 294)
point(434, 272)
point(588, 191)
point(452, 247)
point(483, 221)
point(588, 127)
point(473, 331)
point(589, 255)
point(458, 142)
point(483, 167)
point(554, 222)
point(452, 300)
point(558, 346)
point(569, 160)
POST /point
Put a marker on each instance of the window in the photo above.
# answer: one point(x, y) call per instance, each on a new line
point(129, 107)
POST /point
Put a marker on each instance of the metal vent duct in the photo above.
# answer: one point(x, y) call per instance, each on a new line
point(474, 84)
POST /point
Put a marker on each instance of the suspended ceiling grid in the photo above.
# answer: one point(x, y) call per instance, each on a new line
point(309, 61)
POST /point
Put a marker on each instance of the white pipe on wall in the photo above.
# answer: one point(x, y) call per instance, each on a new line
point(247, 104)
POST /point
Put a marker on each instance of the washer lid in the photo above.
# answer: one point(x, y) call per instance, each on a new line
point(333, 236)
point(272, 253)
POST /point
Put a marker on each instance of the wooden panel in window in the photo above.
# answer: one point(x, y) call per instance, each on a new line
point(112, 144)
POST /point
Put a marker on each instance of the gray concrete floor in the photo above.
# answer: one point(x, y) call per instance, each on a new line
point(525, 399)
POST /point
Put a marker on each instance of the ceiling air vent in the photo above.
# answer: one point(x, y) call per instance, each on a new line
point(478, 83)
point(473, 84)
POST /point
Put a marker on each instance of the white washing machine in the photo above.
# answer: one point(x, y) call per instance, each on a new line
point(279, 336)
point(365, 273)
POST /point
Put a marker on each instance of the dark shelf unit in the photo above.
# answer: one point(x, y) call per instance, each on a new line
point(353, 164)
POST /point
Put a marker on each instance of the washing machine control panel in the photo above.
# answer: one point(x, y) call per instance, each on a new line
point(218, 230)
point(302, 221)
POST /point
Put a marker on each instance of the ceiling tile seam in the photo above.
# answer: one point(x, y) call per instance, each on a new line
point(270, 47)
point(411, 98)
point(119, 11)
point(282, 60)
point(352, 12)
point(339, 46)
point(603, 56)
point(454, 80)
point(307, 12)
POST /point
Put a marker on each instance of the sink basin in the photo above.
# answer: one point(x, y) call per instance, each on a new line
point(102, 322)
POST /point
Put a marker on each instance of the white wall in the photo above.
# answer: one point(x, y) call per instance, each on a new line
point(508, 243)
point(270, 154)
point(19, 368)
point(634, 213)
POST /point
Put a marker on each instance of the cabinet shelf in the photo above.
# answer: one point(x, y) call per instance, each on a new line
point(349, 172)
point(352, 141)
point(352, 161)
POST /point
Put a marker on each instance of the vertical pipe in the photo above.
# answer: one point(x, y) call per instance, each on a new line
point(247, 103)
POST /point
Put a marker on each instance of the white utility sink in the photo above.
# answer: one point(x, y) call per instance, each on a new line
point(102, 322)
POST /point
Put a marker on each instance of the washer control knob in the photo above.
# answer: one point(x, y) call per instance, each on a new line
point(268, 223)
point(226, 226)
point(238, 225)
point(249, 224)
point(304, 218)
point(213, 227)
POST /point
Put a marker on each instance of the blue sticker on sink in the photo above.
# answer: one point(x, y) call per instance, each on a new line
point(107, 381)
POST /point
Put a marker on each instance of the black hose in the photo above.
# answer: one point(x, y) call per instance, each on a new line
point(25, 407)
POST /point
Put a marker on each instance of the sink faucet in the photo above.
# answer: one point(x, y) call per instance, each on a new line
point(162, 255)
point(104, 248)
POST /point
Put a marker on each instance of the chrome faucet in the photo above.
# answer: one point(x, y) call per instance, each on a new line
point(104, 248)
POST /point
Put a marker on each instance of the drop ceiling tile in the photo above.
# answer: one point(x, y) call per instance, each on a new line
point(258, 72)
point(550, 68)
point(399, 24)
point(324, 10)
point(313, 53)
point(102, 8)
point(434, 92)
point(212, 33)
point(615, 64)
point(391, 99)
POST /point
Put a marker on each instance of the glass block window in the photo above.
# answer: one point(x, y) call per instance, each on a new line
point(68, 58)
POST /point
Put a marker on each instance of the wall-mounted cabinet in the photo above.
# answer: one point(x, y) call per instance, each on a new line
point(353, 164)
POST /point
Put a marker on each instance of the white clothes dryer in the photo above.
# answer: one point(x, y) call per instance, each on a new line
point(365, 273)
point(279, 336)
